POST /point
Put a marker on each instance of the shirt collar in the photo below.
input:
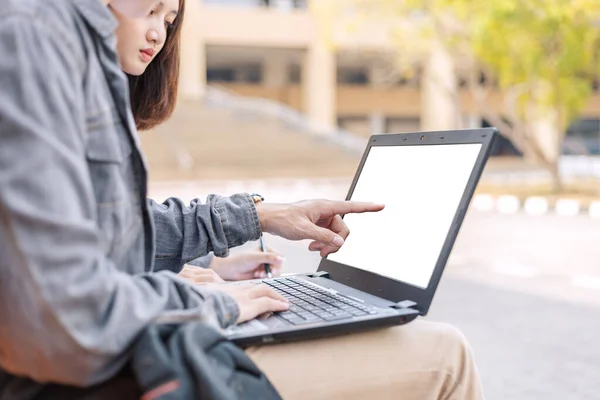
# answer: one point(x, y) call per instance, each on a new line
point(97, 16)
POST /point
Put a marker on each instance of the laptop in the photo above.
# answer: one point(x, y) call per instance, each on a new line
point(388, 270)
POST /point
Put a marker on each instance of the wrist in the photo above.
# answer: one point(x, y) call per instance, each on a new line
point(214, 263)
point(262, 212)
point(259, 206)
point(272, 216)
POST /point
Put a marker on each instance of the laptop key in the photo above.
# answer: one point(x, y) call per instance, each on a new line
point(333, 317)
point(322, 314)
point(305, 314)
point(312, 308)
point(339, 312)
point(303, 322)
point(294, 308)
point(292, 318)
point(285, 314)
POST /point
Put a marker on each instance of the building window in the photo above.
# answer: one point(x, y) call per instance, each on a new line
point(295, 74)
point(249, 74)
point(352, 76)
point(220, 75)
point(583, 137)
point(239, 74)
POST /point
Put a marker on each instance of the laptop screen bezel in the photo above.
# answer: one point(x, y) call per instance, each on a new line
point(391, 289)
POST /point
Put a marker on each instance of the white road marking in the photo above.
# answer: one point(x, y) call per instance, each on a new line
point(594, 209)
point(536, 206)
point(508, 204)
point(483, 202)
point(567, 207)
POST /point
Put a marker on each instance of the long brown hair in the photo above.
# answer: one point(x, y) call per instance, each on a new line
point(154, 93)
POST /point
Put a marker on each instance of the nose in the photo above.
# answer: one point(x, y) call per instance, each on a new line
point(155, 37)
point(152, 36)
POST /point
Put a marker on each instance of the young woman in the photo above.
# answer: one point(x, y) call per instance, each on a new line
point(148, 48)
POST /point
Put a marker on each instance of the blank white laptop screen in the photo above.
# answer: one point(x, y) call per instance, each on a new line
point(421, 187)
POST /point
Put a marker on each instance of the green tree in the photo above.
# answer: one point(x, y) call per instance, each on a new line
point(542, 56)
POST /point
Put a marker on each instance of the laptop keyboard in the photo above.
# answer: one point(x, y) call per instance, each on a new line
point(310, 304)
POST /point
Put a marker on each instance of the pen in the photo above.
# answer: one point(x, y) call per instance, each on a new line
point(267, 266)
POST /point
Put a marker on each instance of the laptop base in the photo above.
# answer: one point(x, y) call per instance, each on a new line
point(273, 329)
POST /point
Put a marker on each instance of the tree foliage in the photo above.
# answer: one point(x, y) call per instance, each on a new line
point(541, 55)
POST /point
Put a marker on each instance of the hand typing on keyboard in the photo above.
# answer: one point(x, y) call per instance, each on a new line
point(310, 303)
point(254, 300)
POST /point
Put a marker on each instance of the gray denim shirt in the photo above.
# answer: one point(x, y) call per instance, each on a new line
point(82, 268)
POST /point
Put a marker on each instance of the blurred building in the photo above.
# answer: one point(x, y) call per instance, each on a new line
point(274, 49)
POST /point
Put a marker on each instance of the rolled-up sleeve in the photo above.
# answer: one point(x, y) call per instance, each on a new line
point(68, 313)
point(203, 262)
point(186, 232)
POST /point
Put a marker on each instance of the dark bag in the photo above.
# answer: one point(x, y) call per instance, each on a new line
point(194, 361)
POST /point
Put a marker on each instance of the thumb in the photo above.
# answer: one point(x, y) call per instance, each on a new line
point(323, 235)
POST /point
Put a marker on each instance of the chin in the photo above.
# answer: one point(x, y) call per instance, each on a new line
point(134, 69)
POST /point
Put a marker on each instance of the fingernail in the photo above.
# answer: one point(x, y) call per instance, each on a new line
point(279, 260)
point(337, 241)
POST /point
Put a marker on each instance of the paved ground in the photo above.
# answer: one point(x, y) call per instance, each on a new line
point(512, 288)
point(525, 290)
point(527, 347)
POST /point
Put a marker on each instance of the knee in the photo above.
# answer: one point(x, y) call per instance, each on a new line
point(452, 335)
point(458, 357)
point(443, 349)
point(439, 331)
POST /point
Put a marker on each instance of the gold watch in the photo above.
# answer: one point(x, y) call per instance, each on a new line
point(257, 198)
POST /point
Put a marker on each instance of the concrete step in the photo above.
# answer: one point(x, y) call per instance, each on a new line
point(225, 145)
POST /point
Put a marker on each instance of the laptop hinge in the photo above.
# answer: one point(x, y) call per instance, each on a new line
point(404, 304)
point(319, 274)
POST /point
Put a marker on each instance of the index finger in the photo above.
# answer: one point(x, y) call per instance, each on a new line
point(263, 290)
point(354, 207)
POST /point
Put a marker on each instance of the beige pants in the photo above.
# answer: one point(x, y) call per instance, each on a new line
point(421, 361)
